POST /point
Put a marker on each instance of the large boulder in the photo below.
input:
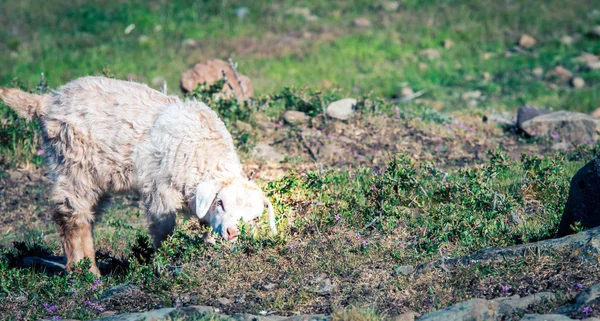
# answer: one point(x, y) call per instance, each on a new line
point(562, 125)
point(210, 72)
point(528, 112)
point(583, 204)
point(475, 310)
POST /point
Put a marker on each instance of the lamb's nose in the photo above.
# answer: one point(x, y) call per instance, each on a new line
point(232, 233)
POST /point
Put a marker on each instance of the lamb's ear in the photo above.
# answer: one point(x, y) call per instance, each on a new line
point(271, 212)
point(205, 195)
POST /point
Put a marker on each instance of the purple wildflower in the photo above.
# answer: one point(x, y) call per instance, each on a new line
point(98, 281)
point(337, 217)
point(586, 310)
point(314, 140)
point(56, 317)
point(505, 288)
point(365, 243)
point(100, 308)
point(359, 156)
point(88, 302)
point(524, 179)
point(94, 288)
point(357, 235)
point(419, 119)
point(293, 246)
point(74, 291)
point(71, 281)
point(329, 136)
point(579, 286)
point(40, 152)
point(438, 148)
point(554, 136)
point(398, 112)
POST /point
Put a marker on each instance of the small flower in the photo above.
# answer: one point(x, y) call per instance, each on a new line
point(71, 281)
point(46, 305)
point(398, 112)
point(579, 286)
point(293, 246)
point(419, 118)
point(74, 291)
point(337, 217)
point(314, 140)
point(94, 288)
point(100, 308)
point(329, 136)
point(365, 243)
point(554, 136)
point(359, 156)
point(56, 317)
point(40, 152)
point(357, 235)
point(524, 179)
point(438, 148)
point(88, 302)
point(505, 288)
point(586, 310)
point(98, 281)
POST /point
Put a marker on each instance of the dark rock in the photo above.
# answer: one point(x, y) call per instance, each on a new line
point(583, 204)
point(527, 112)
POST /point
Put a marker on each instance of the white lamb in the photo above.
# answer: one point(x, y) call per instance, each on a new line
point(103, 135)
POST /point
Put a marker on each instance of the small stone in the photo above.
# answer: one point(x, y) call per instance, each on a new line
point(566, 40)
point(577, 82)
point(526, 41)
point(362, 22)
point(241, 12)
point(559, 72)
point(269, 286)
point(324, 286)
point(143, 39)
point(596, 113)
point(593, 65)
point(342, 109)
point(422, 66)
point(487, 76)
point(267, 152)
point(430, 53)
point(562, 147)
point(297, 11)
point(487, 56)
point(129, 29)
point(157, 82)
point(476, 94)
point(224, 301)
point(407, 92)
point(243, 126)
point(294, 117)
point(448, 44)
point(538, 72)
point(190, 43)
point(119, 291)
point(15, 175)
point(390, 6)
point(404, 270)
point(594, 32)
point(408, 316)
point(586, 58)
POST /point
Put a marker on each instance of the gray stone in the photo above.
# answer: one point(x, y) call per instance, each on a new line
point(594, 65)
point(224, 301)
point(528, 112)
point(119, 290)
point(545, 317)
point(390, 6)
point(566, 40)
point(267, 152)
point(14, 175)
point(408, 316)
point(323, 286)
point(362, 22)
point(342, 109)
point(568, 126)
point(243, 126)
point(241, 12)
point(476, 94)
point(154, 315)
point(269, 286)
point(588, 295)
point(475, 310)
point(562, 146)
point(294, 117)
point(515, 302)
point(404, 270)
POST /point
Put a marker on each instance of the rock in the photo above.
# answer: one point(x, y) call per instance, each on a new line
point(224, 301)
point(588, 295)
point(211, 71)
point(528, 112)
point(362, 22)
point(475, 310)
point(448, 44)
point(119, 290)
point(269, 286)
point(583, 203)
point(50, 264)
point(294, 117)
point(330, 151)
point(190, 43)
point(562, 146)
point(596, 113)
point(241, 12)
point(476, 94)
point(323, 286)
point(594, 32)
point(430, 53)
point(407, 92)
point(567, 40)
point(567, 126)
point(509, 304)
point(342, 109)
point(408, 316)
point(526, 41)
point(14, 175)
point(545, 317)
point(486, 76)
point(244, 126)
point(559, 72)
point(577, 82)
point(538, 72)
point(586, 58)
point(154, 315)
point(404, 270)
point(390, 6)
point(267, 152)
point(297, 11)
point(143, 39)
point(157, 82)
point(593, 65)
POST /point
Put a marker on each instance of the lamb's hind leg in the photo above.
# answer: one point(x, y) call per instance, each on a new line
point(74, 217)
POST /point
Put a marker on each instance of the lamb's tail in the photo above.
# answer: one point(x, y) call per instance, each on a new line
point(27, 105)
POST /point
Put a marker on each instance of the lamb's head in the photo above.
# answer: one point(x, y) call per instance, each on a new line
point(223, 203)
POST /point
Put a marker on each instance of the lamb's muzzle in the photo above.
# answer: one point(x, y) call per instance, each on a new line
point(103, 135)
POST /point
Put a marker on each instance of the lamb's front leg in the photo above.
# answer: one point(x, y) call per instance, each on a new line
point(162, 203)
point(161, 226)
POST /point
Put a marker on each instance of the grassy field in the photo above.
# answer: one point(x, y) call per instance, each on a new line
point(358, 225)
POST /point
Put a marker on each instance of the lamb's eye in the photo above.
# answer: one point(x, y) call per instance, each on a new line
point(220, 203)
